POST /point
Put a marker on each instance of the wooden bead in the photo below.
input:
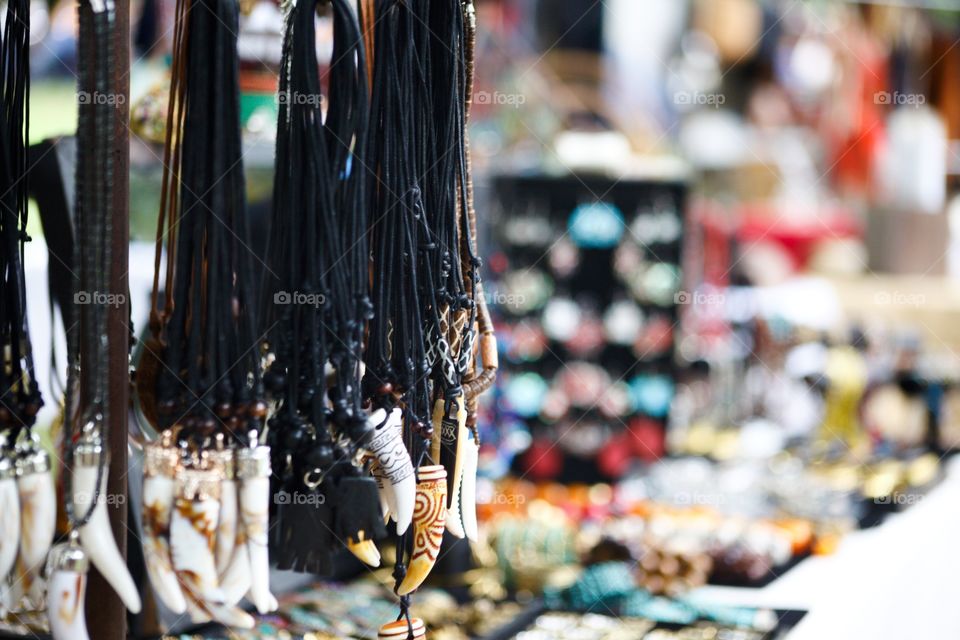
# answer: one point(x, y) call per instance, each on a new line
point(401, 630)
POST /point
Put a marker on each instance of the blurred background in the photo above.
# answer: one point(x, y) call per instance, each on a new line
point(722, 242)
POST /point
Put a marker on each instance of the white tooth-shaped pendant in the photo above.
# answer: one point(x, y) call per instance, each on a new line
point(387, 445)
point(235, 581)
point(449, 437)
point(159, 487)
point(227, 524)
point(468, 489)
point(10, 518)
point(193, 530)
point(96, 536)
point(253, 473)
point(66, 589)
point(38, 520)
point(384, 489)
point(231, 616)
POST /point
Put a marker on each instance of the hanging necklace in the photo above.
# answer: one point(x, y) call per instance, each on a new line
point(207, 476)
point(26, 485)
point(87, 401)
point(316, 301)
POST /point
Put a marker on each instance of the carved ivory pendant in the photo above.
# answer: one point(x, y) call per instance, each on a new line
point(38, 521)
point(10, 522)
point(96, 536)
point(253, 473)
point(66, 589)
point(394, 460)
point(193, 527)
point(159, 487)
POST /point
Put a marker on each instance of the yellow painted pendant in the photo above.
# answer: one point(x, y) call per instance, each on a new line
point(429, 518)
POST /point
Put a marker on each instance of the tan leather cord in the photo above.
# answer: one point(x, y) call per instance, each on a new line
point(368, 22)
point(171, 177)
point(475, 384)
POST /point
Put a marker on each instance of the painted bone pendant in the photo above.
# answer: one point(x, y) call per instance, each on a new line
point(253, 473)
point(66, 589)
point(387, 446)
point(96, 536)
point(38, 520)
point(403, 630)
point(449, 439)
point(429, 517)
point(159, 486)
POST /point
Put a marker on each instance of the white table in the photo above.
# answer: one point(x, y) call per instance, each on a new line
point(898, 581)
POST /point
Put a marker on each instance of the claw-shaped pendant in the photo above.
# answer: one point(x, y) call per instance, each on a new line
point(253, 472)
point(66, 589)
point(10, 522)
point(193, 527)
point(365, 550)
point(468, 488)
point(403, 630)
point(96, 536)
point(38, 519)
point(227, 522)
point(384, 489)
point(235, 581)
point(387, 445)
point(159, 470)
point(429, 517)
point(449, 438)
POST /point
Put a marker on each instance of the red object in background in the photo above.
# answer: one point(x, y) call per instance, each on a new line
point(614, 458)
point(646, 439)
point(543, 460)
point(798, 234)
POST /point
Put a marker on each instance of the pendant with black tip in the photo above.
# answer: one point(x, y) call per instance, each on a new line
point(449, 438)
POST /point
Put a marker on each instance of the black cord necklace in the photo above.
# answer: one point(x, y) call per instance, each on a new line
point(20, 397)
point(316, 302)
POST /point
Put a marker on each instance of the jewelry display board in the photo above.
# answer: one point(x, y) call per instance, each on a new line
point(587, 287)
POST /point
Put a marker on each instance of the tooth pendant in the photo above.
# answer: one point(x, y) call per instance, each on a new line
point(449, 438)
point(96, 536)
point(66, 589)
point(403, 630)
point(253, 472)
point(193, 527)
point(365, 550)
point(394, 460)
point(429, 516)
point(159, 487)
point(384, 489)
point(38, 521)
point(10, 522)
point(468, 488)
point(235, 581)
point(227, 522)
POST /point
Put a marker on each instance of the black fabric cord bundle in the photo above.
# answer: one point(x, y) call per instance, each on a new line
point(210, 382)
point(19, 393)
point(316, 300)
